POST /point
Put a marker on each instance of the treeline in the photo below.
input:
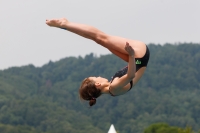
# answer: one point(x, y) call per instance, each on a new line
point(45, 99)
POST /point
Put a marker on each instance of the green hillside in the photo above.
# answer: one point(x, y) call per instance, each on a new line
point(45, 99)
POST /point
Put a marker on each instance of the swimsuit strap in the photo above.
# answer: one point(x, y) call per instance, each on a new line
point(131, 84)
point(110, 92)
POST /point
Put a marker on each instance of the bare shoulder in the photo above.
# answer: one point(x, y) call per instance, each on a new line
point(119, 86)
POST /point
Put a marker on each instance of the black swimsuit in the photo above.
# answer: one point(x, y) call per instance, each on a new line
point(140, 62)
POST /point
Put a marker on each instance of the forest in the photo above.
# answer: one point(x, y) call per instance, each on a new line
point(45, 99)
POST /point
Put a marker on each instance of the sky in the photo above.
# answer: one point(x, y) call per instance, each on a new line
point(26, 39)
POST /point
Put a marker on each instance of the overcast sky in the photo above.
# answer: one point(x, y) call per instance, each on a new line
point(26, 39)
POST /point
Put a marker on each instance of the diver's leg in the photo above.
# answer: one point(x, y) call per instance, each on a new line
point(119, 54)
point(113, 43)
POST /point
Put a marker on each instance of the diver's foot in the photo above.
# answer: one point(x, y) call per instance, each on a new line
point(57, 22)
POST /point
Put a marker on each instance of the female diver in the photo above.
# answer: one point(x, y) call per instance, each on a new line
point(136, 53)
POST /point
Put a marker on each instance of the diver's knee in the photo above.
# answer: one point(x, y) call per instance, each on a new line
point(101, 38)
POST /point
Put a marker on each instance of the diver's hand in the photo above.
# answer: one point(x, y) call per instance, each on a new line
point(129, 49)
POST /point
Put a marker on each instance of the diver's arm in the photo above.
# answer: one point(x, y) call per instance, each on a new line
point(124, 80)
